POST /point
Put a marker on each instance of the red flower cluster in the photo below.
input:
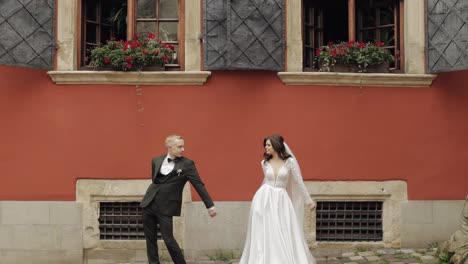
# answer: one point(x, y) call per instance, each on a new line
point(132, 54)
point(353, 52)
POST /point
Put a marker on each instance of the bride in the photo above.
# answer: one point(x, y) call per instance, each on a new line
point(274, 233)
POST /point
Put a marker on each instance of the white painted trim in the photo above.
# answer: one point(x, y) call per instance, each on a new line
point(130, 78)
point(357, 79)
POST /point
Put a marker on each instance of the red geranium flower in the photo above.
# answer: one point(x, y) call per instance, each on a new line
point(107, 60)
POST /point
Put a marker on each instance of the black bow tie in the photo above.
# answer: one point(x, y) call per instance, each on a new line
point(172, 160)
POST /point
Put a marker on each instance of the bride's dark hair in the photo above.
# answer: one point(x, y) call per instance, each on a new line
point(277, 142)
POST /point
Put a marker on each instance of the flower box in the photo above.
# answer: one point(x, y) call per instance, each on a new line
point(354, 57)
point(132, 55)
point(383, 67)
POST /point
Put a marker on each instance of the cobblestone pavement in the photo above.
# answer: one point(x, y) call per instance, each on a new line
point(378, 256)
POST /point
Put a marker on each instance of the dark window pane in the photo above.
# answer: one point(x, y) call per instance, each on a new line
point(106, 34)
point(146, 27)
point(387, 36)
point(91, 33)
point(309, 57)
point(368, 35)
point(309, 33)
point(368, 17)
point(110, 24)
point(168, 31)
point(168, 9)
point(335, 20)
point(117, 18)
point(387, 15)
point(91, 10)
point(146, 9)
point(106, 11)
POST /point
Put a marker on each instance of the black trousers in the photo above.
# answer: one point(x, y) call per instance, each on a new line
point(152, 217)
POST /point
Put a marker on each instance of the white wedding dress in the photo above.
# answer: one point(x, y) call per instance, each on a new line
point(275, 234)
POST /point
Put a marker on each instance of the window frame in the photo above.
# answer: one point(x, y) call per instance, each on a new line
point(132, 29)
point(66, 68)
point(413, 37)
point(354, 31)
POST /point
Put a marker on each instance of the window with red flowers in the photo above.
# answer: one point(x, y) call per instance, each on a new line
point(104, 20)
point(336, 21)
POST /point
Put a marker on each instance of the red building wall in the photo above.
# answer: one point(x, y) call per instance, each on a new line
point(51, 135)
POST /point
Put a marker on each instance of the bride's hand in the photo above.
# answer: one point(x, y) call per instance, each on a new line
point(312, 206)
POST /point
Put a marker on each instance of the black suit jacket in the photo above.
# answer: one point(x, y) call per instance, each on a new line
point(168, 191)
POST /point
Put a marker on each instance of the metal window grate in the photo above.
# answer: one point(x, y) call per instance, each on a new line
point(349, 221)
point(121, 221)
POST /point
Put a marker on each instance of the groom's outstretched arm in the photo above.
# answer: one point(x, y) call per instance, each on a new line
point(195, 180)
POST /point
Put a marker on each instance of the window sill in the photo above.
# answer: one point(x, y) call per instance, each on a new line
point(130, 78)
point(357, 79)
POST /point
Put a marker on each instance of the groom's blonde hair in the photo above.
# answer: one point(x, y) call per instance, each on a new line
point(170, 139)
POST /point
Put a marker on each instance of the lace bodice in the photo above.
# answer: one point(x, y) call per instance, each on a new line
point(289, 169)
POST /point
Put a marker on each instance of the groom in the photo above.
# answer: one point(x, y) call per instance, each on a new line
point(163, 199)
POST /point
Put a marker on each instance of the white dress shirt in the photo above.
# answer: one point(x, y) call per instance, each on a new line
point(167, 166)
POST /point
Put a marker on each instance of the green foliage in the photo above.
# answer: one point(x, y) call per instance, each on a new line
point(352, 53)
point(133, 54)
point(223, 255)
point(434, 244)
point(444, 258)
point(360, 249)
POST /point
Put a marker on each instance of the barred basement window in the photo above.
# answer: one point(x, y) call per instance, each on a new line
point(349, 221)
point(121, 221)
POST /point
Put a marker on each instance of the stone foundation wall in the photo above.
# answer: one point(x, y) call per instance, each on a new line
point(40, 233)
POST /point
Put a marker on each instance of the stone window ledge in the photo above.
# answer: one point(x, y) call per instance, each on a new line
point(357, 79)
point(130, 78)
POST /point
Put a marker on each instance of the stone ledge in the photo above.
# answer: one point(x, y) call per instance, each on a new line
point(130, 78)
point(357, 79)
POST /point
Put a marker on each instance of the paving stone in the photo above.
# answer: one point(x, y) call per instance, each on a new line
point(381, 252)
point(366, 253)
point(417, 254)
point(407, 251)
point(372, 258)
point(430, 253)
point(428, 259)
point(355, 258)
point(350, 263)
point(348, 254)
point(397, 262)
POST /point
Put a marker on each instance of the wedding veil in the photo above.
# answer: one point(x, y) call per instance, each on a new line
point(294, 191)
